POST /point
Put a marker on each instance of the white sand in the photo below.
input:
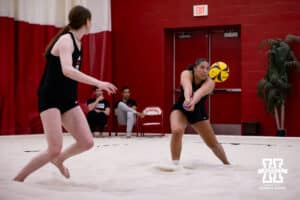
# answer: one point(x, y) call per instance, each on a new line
point(118, 168)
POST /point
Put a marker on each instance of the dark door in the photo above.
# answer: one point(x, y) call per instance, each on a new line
point(219, 44)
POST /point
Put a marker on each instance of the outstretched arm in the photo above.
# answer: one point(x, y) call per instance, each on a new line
point(193, 98)
point(206, 88)
point(186, 79)
point(65, 49)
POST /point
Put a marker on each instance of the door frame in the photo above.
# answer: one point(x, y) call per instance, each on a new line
point(171, 34)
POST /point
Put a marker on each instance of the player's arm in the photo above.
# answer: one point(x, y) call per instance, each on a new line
point(65, 50)
point(186, 79)
point(206, 88)
point(107, 111)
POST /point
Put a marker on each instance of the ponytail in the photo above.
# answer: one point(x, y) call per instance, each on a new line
point(52, 42)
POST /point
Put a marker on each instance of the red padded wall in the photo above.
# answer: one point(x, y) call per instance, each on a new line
point(140, 46)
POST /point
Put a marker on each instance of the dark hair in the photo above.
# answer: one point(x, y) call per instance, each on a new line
point(78, 17)
point(197, 62)
point(125, 88)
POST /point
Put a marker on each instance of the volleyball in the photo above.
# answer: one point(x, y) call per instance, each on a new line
point(219, 72)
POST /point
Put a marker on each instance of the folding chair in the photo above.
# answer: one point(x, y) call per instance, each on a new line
point(153, 120)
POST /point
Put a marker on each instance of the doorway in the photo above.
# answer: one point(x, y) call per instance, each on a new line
point(214, 44)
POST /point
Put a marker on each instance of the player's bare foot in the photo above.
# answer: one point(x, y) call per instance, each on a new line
point(18, 179)
point(63, 170)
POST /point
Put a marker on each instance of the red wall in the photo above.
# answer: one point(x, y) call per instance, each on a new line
point(140, 60)
point(22, 65)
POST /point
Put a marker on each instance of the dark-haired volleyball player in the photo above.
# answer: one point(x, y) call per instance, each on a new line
point(58, 95)
point(190, 108)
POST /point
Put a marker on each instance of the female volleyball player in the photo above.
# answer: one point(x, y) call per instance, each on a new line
point(190, 108)
point(58, 95)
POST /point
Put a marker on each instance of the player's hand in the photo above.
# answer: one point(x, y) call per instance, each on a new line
point(106, 86)
point(188, 104)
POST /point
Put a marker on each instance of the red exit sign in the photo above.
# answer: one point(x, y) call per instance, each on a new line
point(200, 10)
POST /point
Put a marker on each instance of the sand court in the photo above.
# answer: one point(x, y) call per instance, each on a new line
point(117, 167)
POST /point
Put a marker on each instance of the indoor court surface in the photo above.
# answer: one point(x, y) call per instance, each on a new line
point(119, 168)
point(218, 68)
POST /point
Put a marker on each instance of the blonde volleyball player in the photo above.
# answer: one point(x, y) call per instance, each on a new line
point(190, 108)
point(58, 96)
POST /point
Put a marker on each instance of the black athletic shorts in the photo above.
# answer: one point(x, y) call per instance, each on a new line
point(193, 117)
point(45, 103)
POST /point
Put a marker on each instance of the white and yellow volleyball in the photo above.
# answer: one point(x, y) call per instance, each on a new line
point(219, 72)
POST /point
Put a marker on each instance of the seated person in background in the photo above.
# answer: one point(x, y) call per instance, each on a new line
point(126, 112)
point(99, 110)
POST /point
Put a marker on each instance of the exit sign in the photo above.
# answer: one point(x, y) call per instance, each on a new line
point(200, 10)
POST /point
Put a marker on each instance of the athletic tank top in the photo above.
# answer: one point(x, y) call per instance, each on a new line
point(54, 84)
point(200, 105)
